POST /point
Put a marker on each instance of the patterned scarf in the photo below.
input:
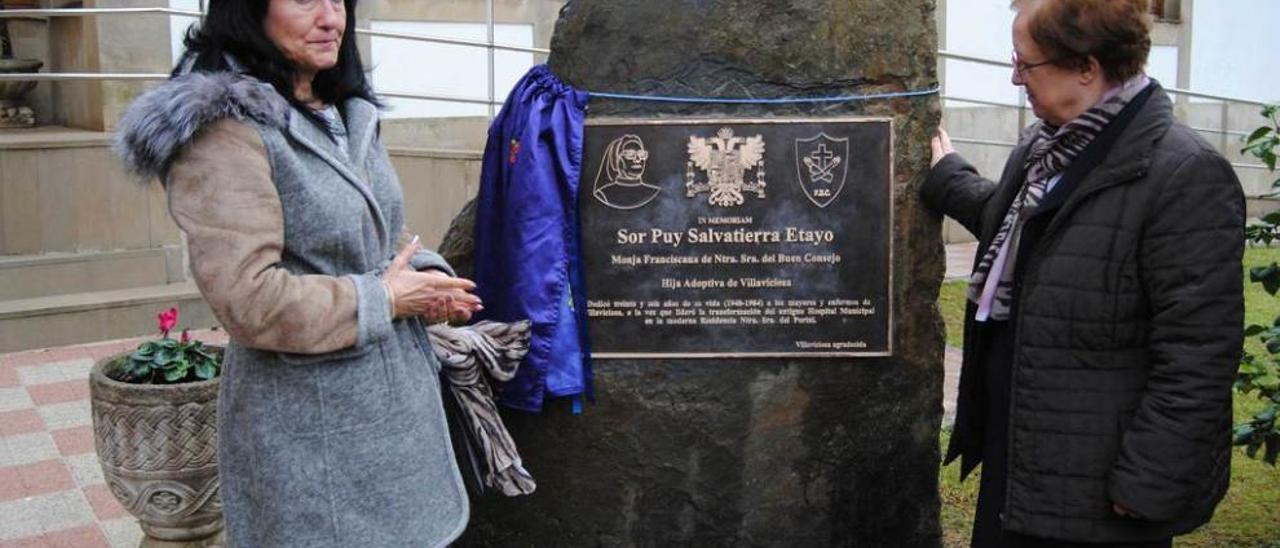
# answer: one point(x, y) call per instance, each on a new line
point(468, 355)
point(1052, 151)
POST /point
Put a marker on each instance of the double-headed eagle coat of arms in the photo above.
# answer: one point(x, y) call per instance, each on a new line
point(725, 159)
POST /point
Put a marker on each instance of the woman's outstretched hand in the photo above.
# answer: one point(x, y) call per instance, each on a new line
point(941, 145)
point(434, 295)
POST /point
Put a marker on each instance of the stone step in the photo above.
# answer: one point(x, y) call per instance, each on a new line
point(97, 315)
point(49, 274)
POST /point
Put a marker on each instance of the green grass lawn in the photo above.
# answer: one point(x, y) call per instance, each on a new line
point(951, 304)
point(1250, 514)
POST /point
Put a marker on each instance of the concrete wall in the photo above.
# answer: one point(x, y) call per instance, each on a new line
point(64, 191)
point(89, 253)
point(105, 43)
point(1233, 48)
point(128, 44)
point(436, 186)
point(73, 48)
point(986, 135)
point(455, 132)
point(460, 133)
point(1197, 46)
point(1209, 46)
point(541, 13)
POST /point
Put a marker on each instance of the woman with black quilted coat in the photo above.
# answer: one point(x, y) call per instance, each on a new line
point(1105, 313)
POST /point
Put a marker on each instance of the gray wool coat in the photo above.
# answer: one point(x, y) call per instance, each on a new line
point(330, 424)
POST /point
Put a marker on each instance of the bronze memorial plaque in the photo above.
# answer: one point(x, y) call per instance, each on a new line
point(738, 238)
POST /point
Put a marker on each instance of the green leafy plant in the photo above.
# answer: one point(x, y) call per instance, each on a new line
point(168, 360)
point(1264, 142)
point(1262, 374)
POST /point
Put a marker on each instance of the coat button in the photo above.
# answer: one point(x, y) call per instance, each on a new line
point(1001, 516)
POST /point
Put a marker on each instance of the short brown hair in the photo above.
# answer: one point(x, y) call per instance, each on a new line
point(1115, 32)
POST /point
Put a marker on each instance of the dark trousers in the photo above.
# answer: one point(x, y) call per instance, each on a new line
point(987, 531)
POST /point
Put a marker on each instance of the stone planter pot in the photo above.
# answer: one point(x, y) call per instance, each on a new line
point(14, 113)
point(15, 90)
point(158, 446)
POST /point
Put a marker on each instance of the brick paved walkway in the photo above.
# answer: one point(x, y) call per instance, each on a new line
point(52, 493)
point(51, 487)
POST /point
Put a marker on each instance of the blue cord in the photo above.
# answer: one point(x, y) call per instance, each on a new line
point(773, 101)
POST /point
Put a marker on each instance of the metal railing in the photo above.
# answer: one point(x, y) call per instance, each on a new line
point(1224, 133)
point(80, 12)
point(943, 54)
point(491, 46)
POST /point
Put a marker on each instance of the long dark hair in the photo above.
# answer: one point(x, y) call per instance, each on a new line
point(235, 27)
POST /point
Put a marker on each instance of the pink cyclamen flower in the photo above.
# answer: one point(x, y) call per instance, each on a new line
point(186, 337)
point(168, 319)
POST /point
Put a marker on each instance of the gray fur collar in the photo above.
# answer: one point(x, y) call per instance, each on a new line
point(166, 118)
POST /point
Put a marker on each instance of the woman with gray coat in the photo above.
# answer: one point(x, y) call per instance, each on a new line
point(330, 422)
point(1105, 315)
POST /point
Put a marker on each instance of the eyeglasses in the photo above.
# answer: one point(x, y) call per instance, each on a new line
point(1021, 69)
point(632, 155)
point(338, 5)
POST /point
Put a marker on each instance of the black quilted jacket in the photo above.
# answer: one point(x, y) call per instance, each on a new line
point(1129, 328)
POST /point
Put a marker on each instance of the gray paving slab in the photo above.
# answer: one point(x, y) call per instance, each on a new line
point(950, 385)
point(27, 448)
point(39, 514)
point(66, 415)
point(960, 260)
point(122, 533)
point(56, 372)
point(13, 399)
point(85, 469)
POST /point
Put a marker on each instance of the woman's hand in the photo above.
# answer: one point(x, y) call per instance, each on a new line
point(459, 311)
point(941, 145)
point(434, 295)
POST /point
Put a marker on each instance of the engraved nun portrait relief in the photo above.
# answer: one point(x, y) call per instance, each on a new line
point(620, 180)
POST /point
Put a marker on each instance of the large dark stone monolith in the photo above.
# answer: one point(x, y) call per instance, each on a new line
point(771, 452)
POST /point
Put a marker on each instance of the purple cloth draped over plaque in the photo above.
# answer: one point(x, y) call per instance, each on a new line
point(527, 236)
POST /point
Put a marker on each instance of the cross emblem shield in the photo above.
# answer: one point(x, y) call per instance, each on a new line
point(822, 166)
